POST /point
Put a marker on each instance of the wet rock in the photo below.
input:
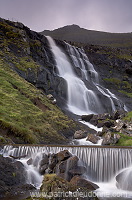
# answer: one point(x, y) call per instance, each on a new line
point(80, 134)
point(93, 138)
point(110, 138)
point(54, 101)
point(45, 160)
point(43, 168)
point(72, 162)
point(12, 175)
point(65, 166)
point(79, 170)
point(124, 180)
point(108, 124)
point(118, 114)
point(61, 167)
point(30, 161)
point(119, 125)
point(50, 96)
point(87, 118)
point(52, 161)
point(81, 182)
point(63, 155)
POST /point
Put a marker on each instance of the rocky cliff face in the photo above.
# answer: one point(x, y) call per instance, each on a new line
point(27, 115)
point(115, 70)
point(27, 53)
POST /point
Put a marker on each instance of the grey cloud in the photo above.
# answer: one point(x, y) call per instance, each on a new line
point(103, 15)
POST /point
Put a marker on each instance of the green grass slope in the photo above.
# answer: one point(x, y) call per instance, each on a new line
point(26, 114)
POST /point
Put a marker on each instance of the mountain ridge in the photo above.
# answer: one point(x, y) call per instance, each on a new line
point(74, 33)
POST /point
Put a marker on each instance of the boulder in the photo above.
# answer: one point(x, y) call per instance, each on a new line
point(43, 168)
point(57, 185)
point(52, 161)
point(108, 123)
point(72, 162)
point(79, 170)
point(30, 161)
point(63, 155)
point(45, 160)
point(80, 134)
point(61, 167)
point(81, 182)
point(87, 118)
point(65, 166)
point(12, 176)
point(53, 183)
point(50, 96)
point(110, 138)
point(93, 138)
point(124, 180)
point(118, 114)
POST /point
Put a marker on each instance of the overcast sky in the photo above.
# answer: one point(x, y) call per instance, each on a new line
point(101, 15)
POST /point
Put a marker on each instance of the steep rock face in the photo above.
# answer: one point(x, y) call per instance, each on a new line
point(27, 114)
point(114, 68)
point(33, 60)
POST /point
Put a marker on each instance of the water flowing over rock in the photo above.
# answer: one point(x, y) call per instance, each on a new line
point(83, 93)
point(124, 179)
point(12, 177)
point(101, 163)
point(96, 165)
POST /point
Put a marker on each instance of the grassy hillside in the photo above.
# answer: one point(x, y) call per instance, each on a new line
point(26, 114)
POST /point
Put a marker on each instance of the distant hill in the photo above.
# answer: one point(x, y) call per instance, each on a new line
point(74, 33)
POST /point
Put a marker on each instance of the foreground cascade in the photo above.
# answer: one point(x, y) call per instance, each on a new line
point(104, 167)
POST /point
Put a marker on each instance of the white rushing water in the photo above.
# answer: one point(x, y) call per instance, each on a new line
point(103, 164)
point(81, 100)
point(82, 97)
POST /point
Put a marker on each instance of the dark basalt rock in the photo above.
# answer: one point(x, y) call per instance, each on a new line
point(12, 177)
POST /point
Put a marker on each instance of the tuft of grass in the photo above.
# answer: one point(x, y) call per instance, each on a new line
point(124, 140)
point(115, 81)
point(128, 117)
point(126, 93)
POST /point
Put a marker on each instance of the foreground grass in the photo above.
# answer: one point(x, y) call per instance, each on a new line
point(21, 118)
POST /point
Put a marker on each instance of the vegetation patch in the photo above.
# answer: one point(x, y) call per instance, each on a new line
point(126, 93)
point(22, 111)
point(124, 140)
point(128, 117)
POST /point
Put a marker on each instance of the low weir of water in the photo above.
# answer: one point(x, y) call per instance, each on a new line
point(103, 164)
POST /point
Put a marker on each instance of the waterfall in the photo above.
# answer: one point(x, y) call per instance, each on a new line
point(102, 163)
point(81, 100)
point(84, 93)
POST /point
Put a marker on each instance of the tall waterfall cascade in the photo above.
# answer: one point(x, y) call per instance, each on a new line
point(84, 93)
